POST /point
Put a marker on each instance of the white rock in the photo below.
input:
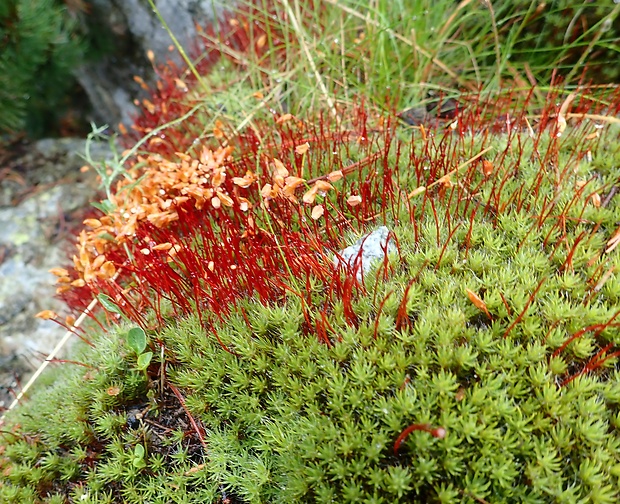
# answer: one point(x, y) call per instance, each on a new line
point(370, 248)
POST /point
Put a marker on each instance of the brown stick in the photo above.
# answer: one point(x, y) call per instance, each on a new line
point(197, 428)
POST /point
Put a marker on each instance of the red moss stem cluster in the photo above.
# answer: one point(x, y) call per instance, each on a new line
point(199, 225)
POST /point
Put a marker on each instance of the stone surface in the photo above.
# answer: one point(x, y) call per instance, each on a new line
point(43, 196)
point(370, 248)
point(128, 29)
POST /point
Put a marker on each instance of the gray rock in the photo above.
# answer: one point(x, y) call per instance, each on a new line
point(369, 249)
point(39, 167)
point(132, 28)
point(43, 195)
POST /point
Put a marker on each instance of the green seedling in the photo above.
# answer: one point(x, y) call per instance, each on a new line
point(139, 456)
point(136, 339)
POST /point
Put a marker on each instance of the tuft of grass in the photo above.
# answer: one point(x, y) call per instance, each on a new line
point(398, 54)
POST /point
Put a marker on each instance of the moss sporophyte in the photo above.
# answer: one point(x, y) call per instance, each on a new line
point(475, 361)
point(240, 354)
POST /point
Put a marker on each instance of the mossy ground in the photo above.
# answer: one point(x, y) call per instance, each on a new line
point(304, 398)
point(476, 363)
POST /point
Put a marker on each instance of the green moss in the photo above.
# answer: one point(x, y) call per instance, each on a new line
point(287, 418)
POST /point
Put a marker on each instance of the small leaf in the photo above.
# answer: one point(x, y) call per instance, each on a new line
point(106, 206)
point(138, 456)
point(138, 451)
point(310, 195)
point(163, 246)
point(144, 360)
point(136, 339)
point(478, 302)
point(108, 304)
point(106, 236)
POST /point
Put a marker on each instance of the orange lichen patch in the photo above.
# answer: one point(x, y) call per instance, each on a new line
point(317, 212)
point(163, 246)
point(46, 315)
point(163, 186)
point(92, 223)
point(320, 187)
point(59, 272)
point(284, 118)
point(107, 270)
point(335, 176)
point(217, 129)
point(323, 186)
point(180, 85)
point(246, 181)
point(487, 168)
point(310, 195)
point(478, 302)
point(354, 200)
point(147, 229)
point(113, 391)
point(302, 149)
